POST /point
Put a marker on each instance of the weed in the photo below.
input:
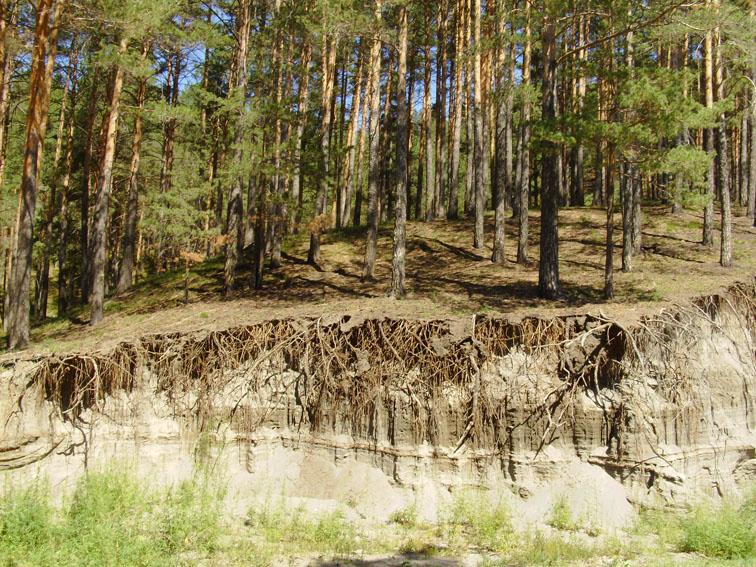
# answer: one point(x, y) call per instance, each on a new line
point(329, 533)
point(728, 531)
point(110, 520)
point(406, 517)
point(561, 514)
point(473, 517)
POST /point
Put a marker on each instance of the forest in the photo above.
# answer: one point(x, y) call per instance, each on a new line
point(143, 136)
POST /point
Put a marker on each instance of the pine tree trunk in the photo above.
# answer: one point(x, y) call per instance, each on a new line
point(503, 183)
point(354, 122)
point(430, 176)
point(7, 61)
point(64, 292)
point(39, 103)
point(303, 105)
point(371, 246)
point(398, 285)
point(723, 163)
point(97, 243)
point(522, 173)
point(453, 208)
point(51, 202)
point(609, 264)
point(708, 226)
point(745, 198)
point(234, 221)
point(86, 189)
point(479, 190)
point(548, 272)
point(321, 204)
point(128, 244)
point(439, 193)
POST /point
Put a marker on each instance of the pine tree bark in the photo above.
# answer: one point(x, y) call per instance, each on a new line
point(128, 244)
point(548, 271)
point(321, 205)
point(708, 226)
point(398, 284)
point(609, 263)
point(64, 292)
point(97, 242)
point(430, 176)
point(8, 21)
point(371, 245)
point(39, 103)
point(439, 192)
point(503, 183)
point(453, 208)
point(479, 190)
point(723, 163)
point(51, 200)
point(354, 121)
point(303, 105)
point(522, 169)
point(86, 184)
point(234, 222)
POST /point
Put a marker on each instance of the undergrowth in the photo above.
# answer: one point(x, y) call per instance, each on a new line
point(303, 531)
point(111, 519)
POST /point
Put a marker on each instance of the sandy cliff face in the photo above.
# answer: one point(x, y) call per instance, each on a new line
point(378, 413)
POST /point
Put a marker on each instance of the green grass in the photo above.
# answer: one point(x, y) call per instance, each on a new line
point(301, 531)
point(475, 517)
point(110, 520)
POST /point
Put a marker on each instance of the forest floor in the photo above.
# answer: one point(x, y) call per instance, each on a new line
point(446, 278)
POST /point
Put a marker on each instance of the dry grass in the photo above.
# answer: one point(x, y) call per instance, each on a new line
point(446, 277)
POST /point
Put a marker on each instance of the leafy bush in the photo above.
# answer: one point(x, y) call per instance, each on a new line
point(330, 532)
point(111, 520)
point(474, 517)
point(728, 531)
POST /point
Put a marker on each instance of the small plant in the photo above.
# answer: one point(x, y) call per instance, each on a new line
point(474, 518)
point(406, 517)
point(561, 514)
point(727, 532)
point(329, 533)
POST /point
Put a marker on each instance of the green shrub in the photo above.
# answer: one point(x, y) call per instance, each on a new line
point(111, 520)
point(728, 531)
point(473, 517)
point(328, 533)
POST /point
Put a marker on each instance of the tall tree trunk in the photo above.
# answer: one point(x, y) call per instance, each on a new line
point(371, 245)
point(354, 122)
point(439, 192)
point(548, 271)
point(430, 176)
point(745, 197)
point(39, 103)
point(7, 60)
point(503, 184)
point(627, 184)
point(64, 292)
point(86, 184)
point(398, 286)
point(303, 104)
point(723, 163)
point(609, 264)
point(522, 170)
point(98, 238)
point(128, 244)
point(329, 72)
point(479, 191)
point(453, 209)
point(51, 204)
point(234, 221)
point(708, 227)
